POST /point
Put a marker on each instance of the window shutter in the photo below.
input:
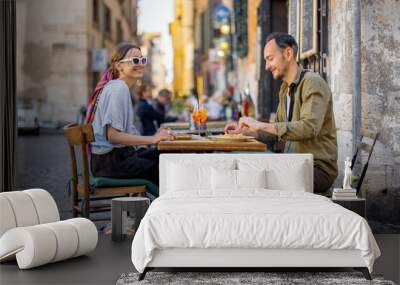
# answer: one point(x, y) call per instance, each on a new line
point(240, 12)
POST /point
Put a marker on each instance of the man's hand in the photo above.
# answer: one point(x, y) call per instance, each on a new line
point(255, 126)
point(250, 123)
point(233, 128)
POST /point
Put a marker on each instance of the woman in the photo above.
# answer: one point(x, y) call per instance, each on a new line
point(149, 117)
point(114, 152)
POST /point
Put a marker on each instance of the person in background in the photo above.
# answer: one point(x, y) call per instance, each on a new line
point(304, 118)
point(149, 116)
point(115, 152)
point(229, 105)
point(162, 105)
point(213, 106)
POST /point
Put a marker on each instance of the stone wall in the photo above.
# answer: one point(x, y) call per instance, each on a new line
point(52, 57)
point(380, 35)
point(54, 43)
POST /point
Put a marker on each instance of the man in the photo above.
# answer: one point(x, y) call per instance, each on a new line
point(162, 103)
point(304, 118)
point(150, 118)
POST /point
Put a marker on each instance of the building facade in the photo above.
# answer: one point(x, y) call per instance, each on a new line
point(63, 47)
point(181, 30)
point(155, 71)
point(323, 30)
point(227, 48)
point(380, 98)
point(247, 47)
point(213, 43)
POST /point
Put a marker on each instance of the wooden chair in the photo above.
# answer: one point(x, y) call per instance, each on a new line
point(81, 136)
point(367, 147)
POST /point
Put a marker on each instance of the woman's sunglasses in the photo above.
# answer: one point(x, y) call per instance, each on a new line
point(135, 60)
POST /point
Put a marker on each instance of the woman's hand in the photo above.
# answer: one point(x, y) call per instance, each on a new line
point(115, 136)
point(163, 134)
point(163, 128)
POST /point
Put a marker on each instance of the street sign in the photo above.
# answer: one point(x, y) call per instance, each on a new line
point(221, 13)
point(99, 59)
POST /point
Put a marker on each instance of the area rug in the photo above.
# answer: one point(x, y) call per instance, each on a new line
point(243, 278)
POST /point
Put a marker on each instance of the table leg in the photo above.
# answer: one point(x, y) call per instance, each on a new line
point(116, 221)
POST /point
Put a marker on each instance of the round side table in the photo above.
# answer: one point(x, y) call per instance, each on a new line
point(125, 213)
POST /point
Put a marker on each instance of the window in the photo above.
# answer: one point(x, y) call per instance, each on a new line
point(313, 46)
point(240, 12)
point(95, 78)
point(107, 19)
point(308, 28)
point(123, 7)
point(272, 17)
point(308, 23)
point(133, 20)
point(119, 32)
point(95, 11)
point(202, 33)
point(293, 18)
point(205, 33)
point(206, 29)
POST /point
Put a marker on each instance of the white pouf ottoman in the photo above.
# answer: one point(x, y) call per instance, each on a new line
point(31, 232)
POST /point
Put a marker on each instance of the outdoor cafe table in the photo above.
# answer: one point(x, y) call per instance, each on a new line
point(212, 128)
point(208, 145)
point(185, 125)
point(209, 131)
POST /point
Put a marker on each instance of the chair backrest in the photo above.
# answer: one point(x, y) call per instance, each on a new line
point(26, 208)
point(364, 146)
point(79, 136)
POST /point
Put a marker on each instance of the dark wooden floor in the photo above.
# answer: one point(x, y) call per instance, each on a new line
point(111, 259)
point(103, 266)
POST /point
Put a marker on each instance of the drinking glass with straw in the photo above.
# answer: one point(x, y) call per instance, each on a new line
point(199, 116)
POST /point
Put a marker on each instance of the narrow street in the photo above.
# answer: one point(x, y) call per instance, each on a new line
point(43, 162)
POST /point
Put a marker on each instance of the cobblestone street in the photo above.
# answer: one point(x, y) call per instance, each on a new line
point(43, 162)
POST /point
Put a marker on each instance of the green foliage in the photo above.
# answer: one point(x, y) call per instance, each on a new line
point(178, 104)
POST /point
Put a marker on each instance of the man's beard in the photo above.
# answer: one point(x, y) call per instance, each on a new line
point(279, 76)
